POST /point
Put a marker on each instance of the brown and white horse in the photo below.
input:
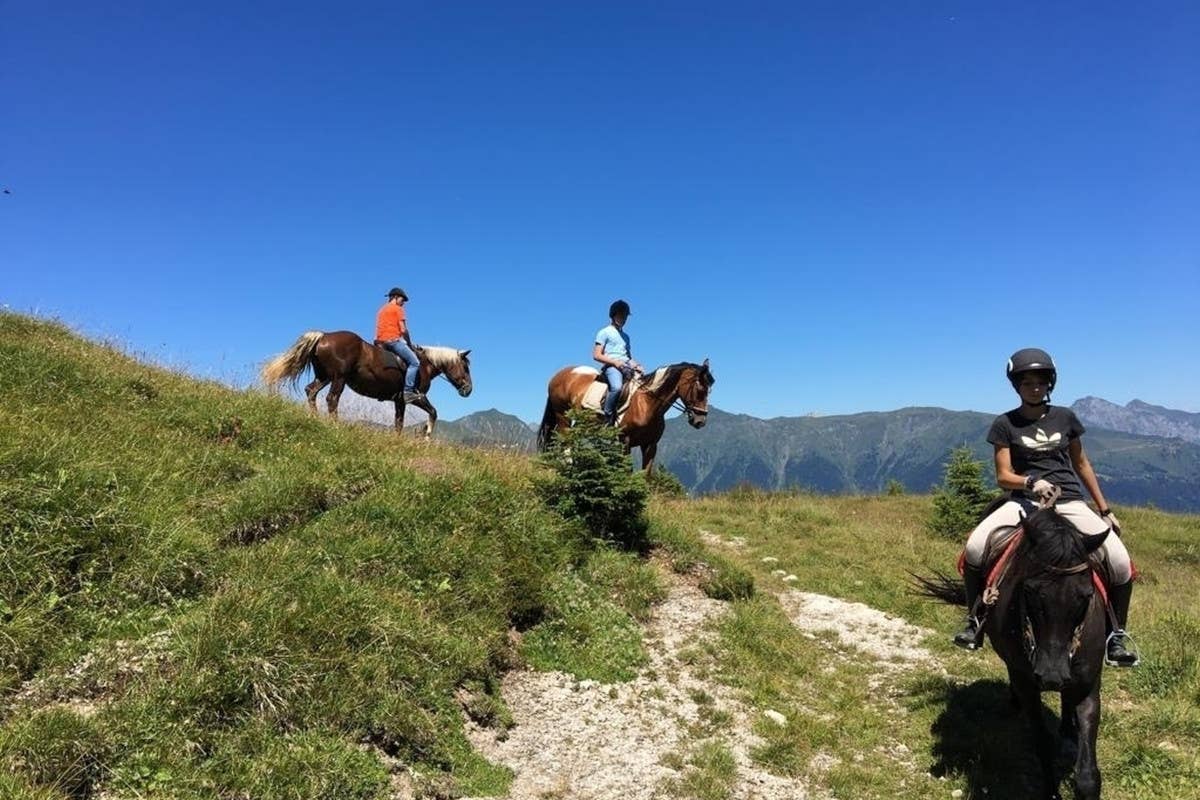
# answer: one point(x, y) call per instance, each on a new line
point(645, 418)
point(343, 357)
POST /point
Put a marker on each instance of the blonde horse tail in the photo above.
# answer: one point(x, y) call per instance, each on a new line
point(546, 431)
point(291, 363)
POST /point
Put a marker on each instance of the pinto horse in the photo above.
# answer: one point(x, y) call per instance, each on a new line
point(1048, 624)
point(342, 358)
point(644, 419)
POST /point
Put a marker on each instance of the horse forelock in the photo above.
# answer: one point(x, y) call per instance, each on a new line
point(442, 357)
point(1054, 540)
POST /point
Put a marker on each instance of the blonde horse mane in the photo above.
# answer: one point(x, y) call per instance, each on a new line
point(441, 357)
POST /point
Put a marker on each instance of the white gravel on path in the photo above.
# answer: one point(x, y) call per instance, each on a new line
point(889, 640)
point(594, 741)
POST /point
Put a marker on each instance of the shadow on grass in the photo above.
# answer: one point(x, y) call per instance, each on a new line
point(982, 735)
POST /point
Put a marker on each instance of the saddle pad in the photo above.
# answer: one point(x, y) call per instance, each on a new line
point(593, 398)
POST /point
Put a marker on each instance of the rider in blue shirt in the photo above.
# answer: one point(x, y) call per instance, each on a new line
point(613, 352)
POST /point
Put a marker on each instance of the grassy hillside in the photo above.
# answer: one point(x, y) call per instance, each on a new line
point(922, 733)
point(209, 593)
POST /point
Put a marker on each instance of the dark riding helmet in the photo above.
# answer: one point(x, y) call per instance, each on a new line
point(1031, 359)
point(397, 292)
point(618, 307)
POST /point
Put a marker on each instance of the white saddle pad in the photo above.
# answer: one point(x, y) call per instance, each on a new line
point(593, 398)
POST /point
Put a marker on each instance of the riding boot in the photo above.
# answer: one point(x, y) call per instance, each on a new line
point(1118, 652)
point(971, 636)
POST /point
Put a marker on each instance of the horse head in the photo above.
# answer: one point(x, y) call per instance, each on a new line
point(694, 385)
point(1056, 595)
point(452, 363)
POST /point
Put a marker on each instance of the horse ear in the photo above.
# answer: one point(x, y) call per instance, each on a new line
point(1090, 543)
point(705, 364)
point(464, 353)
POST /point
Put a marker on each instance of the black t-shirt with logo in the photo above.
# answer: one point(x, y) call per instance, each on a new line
point(1040, 447)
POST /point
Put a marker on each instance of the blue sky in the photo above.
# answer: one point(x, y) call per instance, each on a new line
point(845, 206)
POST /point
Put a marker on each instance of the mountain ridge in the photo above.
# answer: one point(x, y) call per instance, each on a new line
point(866, 451)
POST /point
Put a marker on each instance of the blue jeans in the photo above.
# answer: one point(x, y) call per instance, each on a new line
point(401, 348)
point(615, 381)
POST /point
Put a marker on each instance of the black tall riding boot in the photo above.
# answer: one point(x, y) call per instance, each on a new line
point(1118, 652)
point(969, 638)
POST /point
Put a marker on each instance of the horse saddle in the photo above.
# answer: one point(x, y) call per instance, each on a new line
point(1000, 549)
point(389, 359)
point(593, 398)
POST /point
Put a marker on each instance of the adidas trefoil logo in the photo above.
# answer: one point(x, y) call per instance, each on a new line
point(1040, 441)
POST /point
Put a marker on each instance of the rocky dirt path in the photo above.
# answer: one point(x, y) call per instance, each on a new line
point(594, 741)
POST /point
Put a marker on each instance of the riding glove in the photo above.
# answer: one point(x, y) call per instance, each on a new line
point(1043, 489)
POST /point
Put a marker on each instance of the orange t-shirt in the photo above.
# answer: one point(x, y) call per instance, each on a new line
point(390, 323)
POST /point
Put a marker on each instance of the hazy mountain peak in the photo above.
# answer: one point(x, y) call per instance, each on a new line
point(1140, 417)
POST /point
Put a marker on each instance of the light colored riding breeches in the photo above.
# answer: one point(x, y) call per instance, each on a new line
point(1011, 514)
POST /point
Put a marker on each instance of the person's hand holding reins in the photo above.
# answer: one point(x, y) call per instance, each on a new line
point(1109, 517)
point(1043, 489)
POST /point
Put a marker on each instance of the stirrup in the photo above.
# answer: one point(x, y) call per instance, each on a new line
point(971, 637)
point(1127, 643)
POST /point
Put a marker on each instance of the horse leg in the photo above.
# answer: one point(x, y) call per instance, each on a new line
point(312, 390)
point(399, 401)
point(431, 418)
point(648, 452)
point(335, 394)
point(1031, 703)
point(1086, 715)
point(1068, 727)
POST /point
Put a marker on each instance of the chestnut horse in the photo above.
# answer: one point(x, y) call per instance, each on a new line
point(644, 420)
point(342, 358)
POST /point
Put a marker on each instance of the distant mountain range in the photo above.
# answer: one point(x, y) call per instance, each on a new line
point(863, 452)
point(491, 428)
point(1139, 417)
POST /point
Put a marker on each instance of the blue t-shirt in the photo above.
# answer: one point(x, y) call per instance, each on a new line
point(613, 342)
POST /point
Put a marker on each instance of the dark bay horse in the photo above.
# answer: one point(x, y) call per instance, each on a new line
point(342, 358)
point(644, 420)
point(1048, 625)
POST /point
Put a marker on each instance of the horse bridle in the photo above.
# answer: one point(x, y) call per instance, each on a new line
point(680, 404)
point(1029, 638)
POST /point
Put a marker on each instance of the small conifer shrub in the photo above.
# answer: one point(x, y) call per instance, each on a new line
point(592, 481)
point(962, 497)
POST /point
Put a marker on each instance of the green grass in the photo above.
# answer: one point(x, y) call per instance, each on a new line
point(885, 742)
point(210, 593)
point(708, 773)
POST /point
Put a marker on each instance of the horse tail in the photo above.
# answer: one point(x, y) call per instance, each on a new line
point(940, 587)
point(546, 431)
point(291, 363)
